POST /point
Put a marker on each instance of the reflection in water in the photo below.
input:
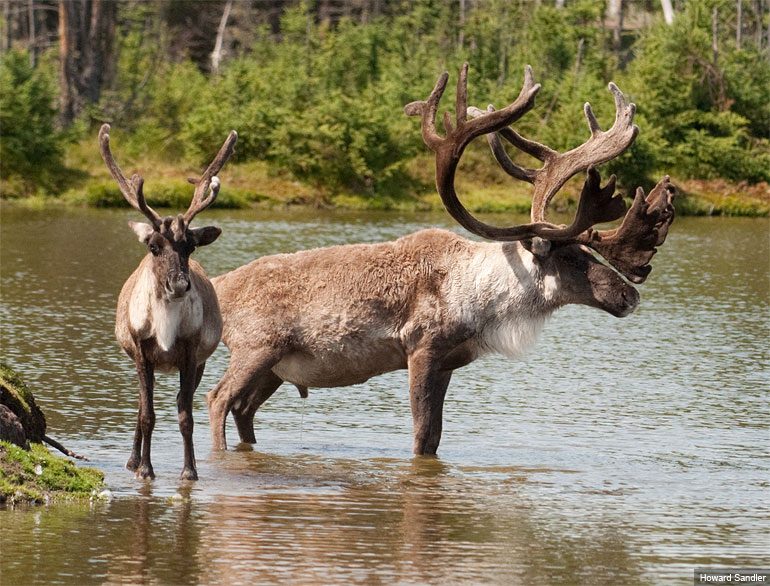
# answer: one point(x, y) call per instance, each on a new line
point(418, 522)
point(622, 452)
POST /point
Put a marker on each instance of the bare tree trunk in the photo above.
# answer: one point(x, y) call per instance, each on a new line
point(216, 54)
point(461, 37)
point(559, 3)
point(31, 18)
point(714, 26)
point(615, 15)
point(579, 56)
point(739, 25)
point(668, 11)
point(86, 33)
point(66, 64)
point(768, 24)
point(7, 29)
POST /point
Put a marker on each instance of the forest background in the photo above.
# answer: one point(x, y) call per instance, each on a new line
point(316, 91)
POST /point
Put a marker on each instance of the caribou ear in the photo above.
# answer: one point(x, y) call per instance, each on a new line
point(540, 247)
point(142, 230)
point(204, 236)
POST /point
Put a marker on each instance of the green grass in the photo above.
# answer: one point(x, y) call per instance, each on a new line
point(718, 198)
point(481, 187)
point(36, 476)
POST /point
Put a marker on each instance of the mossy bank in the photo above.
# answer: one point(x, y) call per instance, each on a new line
point(36, 476)
point(28, 472)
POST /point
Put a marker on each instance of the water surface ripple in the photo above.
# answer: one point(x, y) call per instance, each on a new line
point(622, 451)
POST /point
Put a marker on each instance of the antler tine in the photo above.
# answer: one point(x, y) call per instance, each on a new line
point(200, 200)
point(499, 120)
point(601, 147)
point(427, 111)
point(498, 150)
point(138, 183)
point(449, 150)
point(630, 247)
point(133, 192)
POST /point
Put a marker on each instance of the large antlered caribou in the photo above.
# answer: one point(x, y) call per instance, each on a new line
point(168, 317)
point(434, 301)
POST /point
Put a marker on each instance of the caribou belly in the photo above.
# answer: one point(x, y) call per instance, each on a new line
point(339, 368)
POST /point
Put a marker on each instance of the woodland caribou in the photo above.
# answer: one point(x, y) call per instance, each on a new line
point(434, 301)
point(168, 317)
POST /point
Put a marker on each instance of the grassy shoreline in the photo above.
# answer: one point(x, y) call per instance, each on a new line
point(34, 475)
point(256, 184)
point(37, 477)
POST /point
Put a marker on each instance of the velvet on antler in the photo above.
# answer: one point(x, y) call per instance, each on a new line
point(628, 248)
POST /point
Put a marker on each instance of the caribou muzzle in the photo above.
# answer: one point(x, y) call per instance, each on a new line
point(177, 285)
point(610, 292)
point(629, 299)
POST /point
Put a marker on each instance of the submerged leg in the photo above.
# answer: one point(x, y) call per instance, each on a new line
point(189, 377)
point(243, 375)
point(246, 407)
point(427, 389)
point(136, 451)
point(146, 419)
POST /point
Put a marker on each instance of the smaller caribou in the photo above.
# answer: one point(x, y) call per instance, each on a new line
point(168, 316)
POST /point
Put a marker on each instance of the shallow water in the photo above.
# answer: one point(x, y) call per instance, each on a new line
point(622, 451)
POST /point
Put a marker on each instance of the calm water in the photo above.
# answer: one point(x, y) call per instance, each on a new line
point(623, 451)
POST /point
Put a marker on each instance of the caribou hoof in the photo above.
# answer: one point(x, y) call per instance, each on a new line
point(145, 473)
point(132, 463)
point(188, 474)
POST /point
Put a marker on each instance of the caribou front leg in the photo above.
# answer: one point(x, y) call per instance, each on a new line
point(136, 451)
point(189, 377)
point(146, 418)
point(427, 389)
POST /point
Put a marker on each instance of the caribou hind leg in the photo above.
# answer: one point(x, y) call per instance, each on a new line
point(242, 377)
point(245, 408)
point(427, 389)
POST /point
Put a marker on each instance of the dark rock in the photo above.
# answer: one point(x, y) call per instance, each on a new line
point(11, 429)
point(17, 398)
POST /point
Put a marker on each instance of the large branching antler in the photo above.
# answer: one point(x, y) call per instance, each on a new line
point(132, 190)
point(596, 204)
point(208, 180)
point(557, 167)
point(630, 247)
point(449, 149)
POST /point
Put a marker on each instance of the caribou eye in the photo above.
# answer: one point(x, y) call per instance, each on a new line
point(154, 249)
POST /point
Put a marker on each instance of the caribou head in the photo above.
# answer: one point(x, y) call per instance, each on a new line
point(170, 240)
point(565, 253)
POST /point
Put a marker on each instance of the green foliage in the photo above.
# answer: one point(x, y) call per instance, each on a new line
point(711, 113)
point(313, 103)
point(30, 146)
point(323, 102)
point(163, 193)
point(31, 476)
point(150, 96)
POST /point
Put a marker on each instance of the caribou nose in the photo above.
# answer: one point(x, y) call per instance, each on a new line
point(630, 301)
point(177, 285)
